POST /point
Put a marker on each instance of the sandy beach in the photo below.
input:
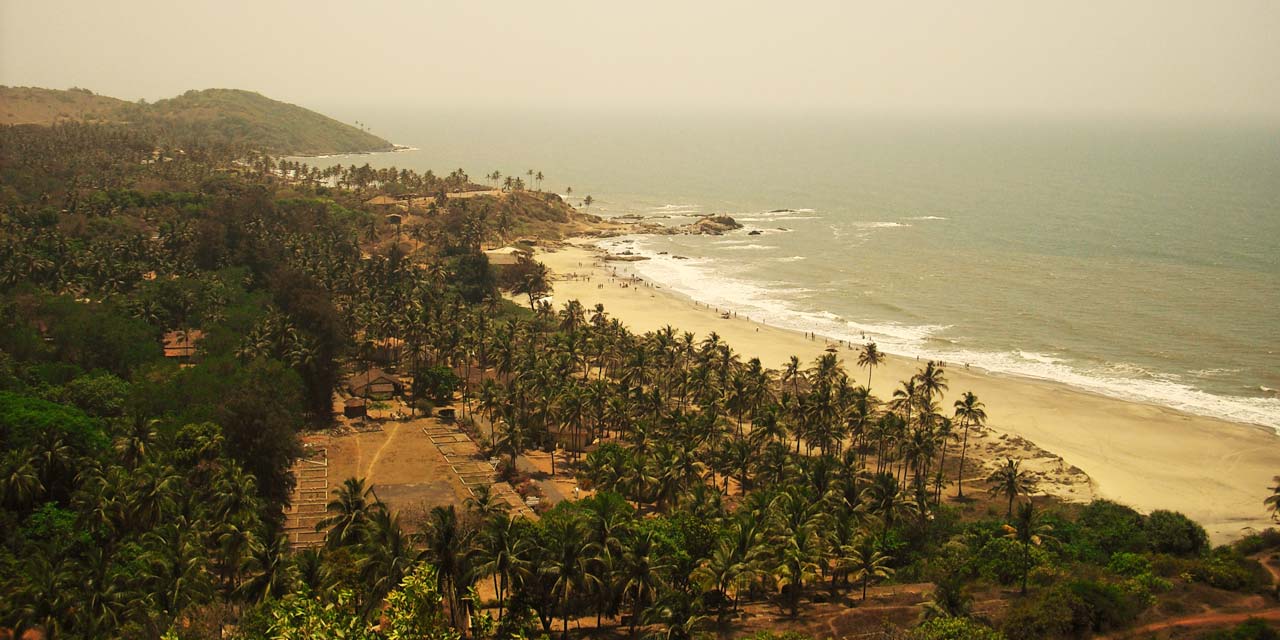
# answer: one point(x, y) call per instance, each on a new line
point(1147, 456)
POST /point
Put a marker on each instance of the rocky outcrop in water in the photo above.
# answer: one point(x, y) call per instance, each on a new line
point(713, 225)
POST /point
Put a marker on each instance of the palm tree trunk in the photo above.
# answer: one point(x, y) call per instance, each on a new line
point(960, 476)
point(1026, 566)
point(942, 463)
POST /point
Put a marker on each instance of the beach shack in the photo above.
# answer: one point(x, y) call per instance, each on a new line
point(382, 201)
point(355, 408)
point(181, 345)
point(374, 383)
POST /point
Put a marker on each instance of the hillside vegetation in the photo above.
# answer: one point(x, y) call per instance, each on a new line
point(228, 116)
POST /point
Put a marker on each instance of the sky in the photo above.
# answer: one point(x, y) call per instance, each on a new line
point(1175, 58)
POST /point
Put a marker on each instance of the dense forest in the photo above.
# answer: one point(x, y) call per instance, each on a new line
point(143, 495)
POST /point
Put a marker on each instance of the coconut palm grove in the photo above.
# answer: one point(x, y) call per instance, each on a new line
point(182, 308)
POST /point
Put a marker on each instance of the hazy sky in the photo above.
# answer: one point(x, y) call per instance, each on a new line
point(1165, 57)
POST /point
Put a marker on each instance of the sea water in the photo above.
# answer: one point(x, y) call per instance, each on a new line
point(1135, 259)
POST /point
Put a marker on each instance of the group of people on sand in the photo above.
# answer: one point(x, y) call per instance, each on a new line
point(626, 283)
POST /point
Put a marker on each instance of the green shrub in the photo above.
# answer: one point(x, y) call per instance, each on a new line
point(775, 635)
point(1129, 564)
point(1000, 560)
point(1167, 566)
point(1225, 569)
point(1255, 542)
point(1073, 609)
point(1108, 528)
point(1172, 532)
point(1049, 614)
point(1108, 606)
point(954, 629)
point(1251, 629)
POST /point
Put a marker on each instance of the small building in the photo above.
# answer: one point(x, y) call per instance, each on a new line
point(374, 383)
point(382, 201)
point(355, 408)
point(182, 344)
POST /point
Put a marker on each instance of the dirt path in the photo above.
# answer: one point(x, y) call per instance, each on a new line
point(1201, 620)
point(392, 429)
point(1264, 557)
point(1216, 618)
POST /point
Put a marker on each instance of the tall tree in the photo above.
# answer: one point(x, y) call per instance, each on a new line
point(871, 357)
point(971, 413)
point(1009, 480)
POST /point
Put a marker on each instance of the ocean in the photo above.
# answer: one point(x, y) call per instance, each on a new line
point(1139, 260)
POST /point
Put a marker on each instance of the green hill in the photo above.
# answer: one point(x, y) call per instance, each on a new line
point(225, 115)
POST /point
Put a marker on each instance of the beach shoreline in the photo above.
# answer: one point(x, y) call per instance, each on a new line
point(1145, 455)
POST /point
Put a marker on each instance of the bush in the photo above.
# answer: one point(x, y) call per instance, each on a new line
point(954, 629)
point(1255, 542)
point(1171, 532)
point(1072, 610)
point(1051, 614)
point(775, 635)
point(1129, 564)
point(1226, 570)
point(1109, 528)
point(1000, 560)
point(1251, 629)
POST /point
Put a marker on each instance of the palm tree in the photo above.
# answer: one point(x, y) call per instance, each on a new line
point(932, 380)
point(642, 573)
point(796, 565)
point(865, 563)
point(721, 574)
point(1028, 529)
point(871, 357)
point(389, 556)
point(273, 573)
point(1273, 501)
point(485, 504)
point(20, 485)
point(971, 413)
point(349, 511)
point(450, 545)
point(1010, 480)
point(885, 500)
point(502, 554)
point(571, 565)
point(586, 202)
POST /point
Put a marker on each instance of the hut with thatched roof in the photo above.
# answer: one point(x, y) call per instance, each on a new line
point(355, 408)
point(374, 383)
point(181, 345)
point(382, 201)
